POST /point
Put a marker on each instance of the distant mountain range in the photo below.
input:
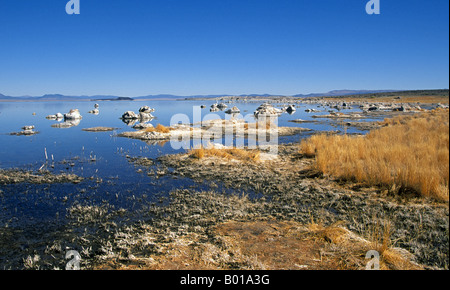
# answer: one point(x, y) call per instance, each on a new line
point(337, 93)
point(59, 97)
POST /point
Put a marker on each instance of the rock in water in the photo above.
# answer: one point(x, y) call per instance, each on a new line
point(28, 128)
point(145, 116)
point(222, 106)
point(130, 115)
point(55, 117)
point(214, 108)
point(233, 110)
point(267, 110)
point(73, 115)
point(146, 110)
point(290, 109)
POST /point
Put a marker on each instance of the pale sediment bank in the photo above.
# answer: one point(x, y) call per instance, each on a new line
point(99, 129)
point(213, 128)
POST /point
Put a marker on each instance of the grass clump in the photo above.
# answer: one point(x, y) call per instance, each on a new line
point(350, 250)
point(225, 153)
point(409, 154)
point(159, 128)
point(267, 125)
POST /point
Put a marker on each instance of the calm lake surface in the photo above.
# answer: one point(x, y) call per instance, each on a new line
point(74, 150)
point(99, 157)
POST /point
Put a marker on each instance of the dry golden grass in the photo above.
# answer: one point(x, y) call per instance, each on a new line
point(267, 245)
point(225, 153)
point(159, 128)
point(349, 250)
point(409, 153)
point(259, 125)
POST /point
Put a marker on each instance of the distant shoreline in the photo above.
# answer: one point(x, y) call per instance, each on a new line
point(435, 96)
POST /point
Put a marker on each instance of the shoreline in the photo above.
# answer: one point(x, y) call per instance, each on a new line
point(281, 198)
point(289, 193)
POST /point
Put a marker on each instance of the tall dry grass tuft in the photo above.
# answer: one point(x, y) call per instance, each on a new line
point(409, 153)
point(159, 128)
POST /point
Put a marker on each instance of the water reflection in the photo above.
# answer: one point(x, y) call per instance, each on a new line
point(67, 124)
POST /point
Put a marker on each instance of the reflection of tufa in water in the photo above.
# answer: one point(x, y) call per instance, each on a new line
point(67, 124)
point(57, 116)
point(218, 107)
point(233, 110)
point(130, 118)
point(27, 131)
point(71, 119)
point(290, 109)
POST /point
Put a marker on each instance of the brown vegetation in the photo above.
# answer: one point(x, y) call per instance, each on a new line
point(225, 153)
point(257, 125)
point(268, 245)
point(409, 153)
point(349, 250)
point(159, 128)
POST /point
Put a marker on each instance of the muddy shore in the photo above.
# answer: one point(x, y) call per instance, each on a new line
point(272, 202)
point(287, 190)
point(13, 176)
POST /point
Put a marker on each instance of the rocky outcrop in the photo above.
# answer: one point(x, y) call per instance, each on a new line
point(144, 114)
point(142, 126)
point(57, 116)
point(129, 115)
point(291, 109)
point(267, 109)
point(234, 110)
point(146, 110)
point(214, 108)
point(73, 114)
point(27, 131)
point(222, 106)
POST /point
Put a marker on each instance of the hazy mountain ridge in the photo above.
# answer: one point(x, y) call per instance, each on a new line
point(60, 97)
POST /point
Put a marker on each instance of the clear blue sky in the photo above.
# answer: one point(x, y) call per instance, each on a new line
point(140, 47)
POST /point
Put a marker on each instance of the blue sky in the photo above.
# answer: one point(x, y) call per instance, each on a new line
point(141, 47)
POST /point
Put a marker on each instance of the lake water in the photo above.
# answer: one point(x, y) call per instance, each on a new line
point(17, 151)
point(100, 157)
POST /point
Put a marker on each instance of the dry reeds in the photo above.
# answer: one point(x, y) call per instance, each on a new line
point(259, 125)
point(350, 249)
point(159, 128)
point(409, 153)
point(225, 153)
